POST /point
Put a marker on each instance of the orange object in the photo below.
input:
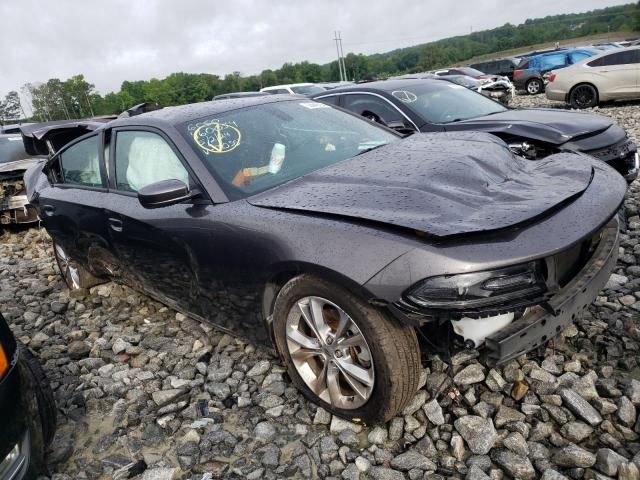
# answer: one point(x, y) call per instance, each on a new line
point(4, 362)
point(241, 178)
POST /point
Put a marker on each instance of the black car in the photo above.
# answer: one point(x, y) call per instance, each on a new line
point(434, 106)
point(500, 66)
point(27, 410)
point(332, 238)
point(227, 96)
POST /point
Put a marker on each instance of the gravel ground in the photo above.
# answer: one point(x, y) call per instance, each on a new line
point(144, 392)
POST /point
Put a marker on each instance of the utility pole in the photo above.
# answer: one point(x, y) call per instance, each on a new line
point(338, 52)
point(344, 67)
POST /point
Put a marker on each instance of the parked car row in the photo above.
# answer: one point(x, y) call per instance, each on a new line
point(349, 240)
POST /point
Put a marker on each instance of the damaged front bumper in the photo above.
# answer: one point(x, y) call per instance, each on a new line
point(541, 323)
point(14, 204)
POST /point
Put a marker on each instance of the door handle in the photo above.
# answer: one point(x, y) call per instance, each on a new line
point(115, 224)
point(48, 210)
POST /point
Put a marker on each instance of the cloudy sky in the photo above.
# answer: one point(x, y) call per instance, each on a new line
point(114, 40)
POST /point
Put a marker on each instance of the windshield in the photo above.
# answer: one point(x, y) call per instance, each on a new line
point(465, 81)
point(444, 102)
point(256, 148)
point(472, 72)
point(307, 89)
point(11, 149)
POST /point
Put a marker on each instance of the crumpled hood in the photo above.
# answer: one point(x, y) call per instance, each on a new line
point(546, 124)
point(441, 184)
point(18, 165)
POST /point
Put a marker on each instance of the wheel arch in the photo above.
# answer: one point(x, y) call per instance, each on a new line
point(289, 270)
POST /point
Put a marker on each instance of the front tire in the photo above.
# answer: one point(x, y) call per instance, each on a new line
point(343, 354)
point(534, 86)
point(583, 96)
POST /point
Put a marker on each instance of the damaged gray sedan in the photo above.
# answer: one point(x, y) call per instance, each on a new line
point(14, 161)
point(345, 247)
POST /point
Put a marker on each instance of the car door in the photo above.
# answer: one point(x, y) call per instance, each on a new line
point(71, 208)
point(158, 250)
point(616, 74)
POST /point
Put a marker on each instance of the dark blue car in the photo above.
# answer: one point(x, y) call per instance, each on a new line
point(530, 72)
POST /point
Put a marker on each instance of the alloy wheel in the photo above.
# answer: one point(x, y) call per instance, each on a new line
point(330, 353)
point(583, 96)
point(533, 87)
point(70, 272)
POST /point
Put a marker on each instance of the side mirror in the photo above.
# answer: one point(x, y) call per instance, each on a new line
point(163, 193)
point(401, 127)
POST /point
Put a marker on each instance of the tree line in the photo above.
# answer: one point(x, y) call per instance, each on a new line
point(76, 97)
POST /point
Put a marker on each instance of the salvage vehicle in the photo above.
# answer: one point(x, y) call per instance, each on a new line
point(294, 88)
point(14, 161)
point(529, 76)
point(27, 410)
point(499, 89)
point(468, 71)
point(227, 96)
point(410, 106)
point(612, 75)
point(332, 238)
point(503, 67)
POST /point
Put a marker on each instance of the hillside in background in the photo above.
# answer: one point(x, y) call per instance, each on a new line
point(76, 97)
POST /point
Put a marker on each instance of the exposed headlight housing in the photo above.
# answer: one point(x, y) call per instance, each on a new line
point(478, 290)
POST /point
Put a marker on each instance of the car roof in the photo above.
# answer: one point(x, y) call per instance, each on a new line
point(305, 84)
point(604, 53)
point(194, 111)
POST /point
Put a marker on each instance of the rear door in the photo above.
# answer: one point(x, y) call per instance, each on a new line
point(158, 250)
point(71, 209)
point(616, 74)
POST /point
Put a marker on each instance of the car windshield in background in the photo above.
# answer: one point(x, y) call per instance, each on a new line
point(472, 72)
point(11, 149)
point(464, 81)
point(445, 102)
point(253, 149)
point(307, 89)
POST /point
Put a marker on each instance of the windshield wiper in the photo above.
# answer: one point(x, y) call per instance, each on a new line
point(370, 148)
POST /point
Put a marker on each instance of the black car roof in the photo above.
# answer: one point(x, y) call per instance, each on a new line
point(193, 111)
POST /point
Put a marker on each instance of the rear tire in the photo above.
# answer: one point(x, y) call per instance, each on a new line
point(387, 354)
point(534, 86)
point(73, 274)
point(583, 96)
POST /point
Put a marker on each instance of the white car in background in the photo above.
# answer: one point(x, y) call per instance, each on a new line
point(294, 88)
point(612, 75)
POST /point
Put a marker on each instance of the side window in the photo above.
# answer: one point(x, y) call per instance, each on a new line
point(332, 100)
point(621, 58)
point(80, 164)
point(550, 62)
point(372, 107)
point(143, 158)
point(578, 56)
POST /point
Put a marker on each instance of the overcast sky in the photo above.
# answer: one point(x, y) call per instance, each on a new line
point(114, 40)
